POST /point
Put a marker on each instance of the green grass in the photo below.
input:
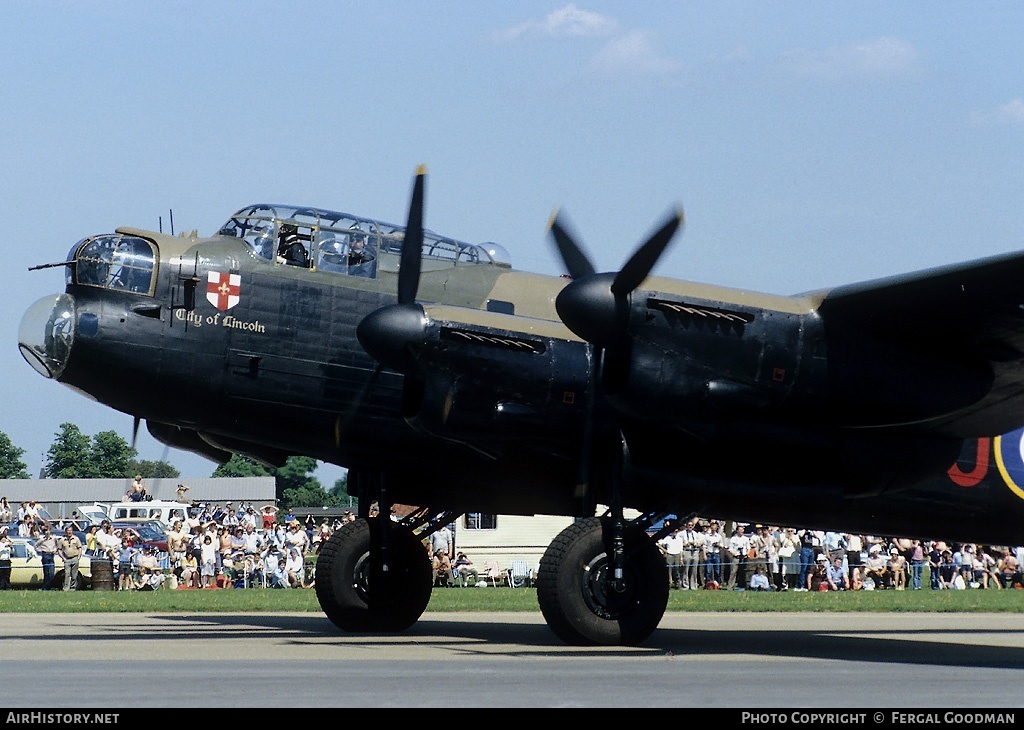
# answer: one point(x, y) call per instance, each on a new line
point(509, 599)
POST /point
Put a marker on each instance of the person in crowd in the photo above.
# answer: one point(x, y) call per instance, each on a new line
point(713, 553)
point(208, 563)
point(986, 574)
point(70, 549)
point(249, 517)
point(806, 557)
point(177, 543)
point(739, 544)
point(788, 550)
point(671, 547)
point(137, 490)
point(836, 575)
point(149, 579)
point(189, 576)
point(295, 568)
point(268, 515)
point(818, 576)
point(6, 513)
point(46, 546)
point(897, 569)
point(948, 572)
point(760, 550)
point(854, 550)
point(875, 568)
point(465, 571)
point(296, 537)
point(92, 541)
point(125, 556)
point(6, 553)
point(1009, 570)
point(692, 543)
point(934, 561)
point(323, 535)
point(834, 544)
point(759, 580)
point(252, 541)
point(917, 557)
point(278, 577)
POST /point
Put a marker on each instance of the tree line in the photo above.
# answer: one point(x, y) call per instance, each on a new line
point(106, 455)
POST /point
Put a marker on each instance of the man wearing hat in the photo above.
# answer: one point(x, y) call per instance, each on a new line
point(875, 567)
point(69, 548)
point(897, 569)
point(818, 575)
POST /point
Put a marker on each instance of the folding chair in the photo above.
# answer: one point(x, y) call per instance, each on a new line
point(492, 572)
point(519, 575)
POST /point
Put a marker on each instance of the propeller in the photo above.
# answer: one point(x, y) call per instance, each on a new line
point(597, 306)
point(135, 430)
point(391, 334)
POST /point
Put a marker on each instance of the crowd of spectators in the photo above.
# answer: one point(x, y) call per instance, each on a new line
point(214, 546)
point(715, 554)
point(224, 546)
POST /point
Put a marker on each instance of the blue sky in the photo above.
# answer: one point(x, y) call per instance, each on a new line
point(810, 143)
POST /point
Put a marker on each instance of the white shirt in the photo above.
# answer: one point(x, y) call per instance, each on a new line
point(673, 543)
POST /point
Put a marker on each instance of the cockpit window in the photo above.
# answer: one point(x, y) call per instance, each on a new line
point(115, 261)
point(344, 244)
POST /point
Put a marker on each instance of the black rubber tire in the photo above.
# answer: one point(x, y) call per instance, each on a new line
point(356, 603)
point(575, 597)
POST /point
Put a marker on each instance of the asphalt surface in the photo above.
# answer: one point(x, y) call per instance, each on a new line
point(758, 661)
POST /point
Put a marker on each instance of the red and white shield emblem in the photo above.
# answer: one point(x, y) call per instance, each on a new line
point(222, 290)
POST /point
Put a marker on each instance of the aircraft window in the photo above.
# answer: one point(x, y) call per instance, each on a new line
point(124, 263)
point(333, 232)
point(293, 245)
point(353, 253)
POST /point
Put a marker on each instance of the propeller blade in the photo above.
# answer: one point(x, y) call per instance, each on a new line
point(135, 431)
point(640, 263)
point(576, 262)
point(412, 244)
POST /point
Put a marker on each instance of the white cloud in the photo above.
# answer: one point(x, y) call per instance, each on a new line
point(880, 57)
point(633, 53)
point(1009, 113)
point(1012, 113)
point(567, 22)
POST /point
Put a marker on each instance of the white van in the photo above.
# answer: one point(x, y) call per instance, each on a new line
point(165, 512)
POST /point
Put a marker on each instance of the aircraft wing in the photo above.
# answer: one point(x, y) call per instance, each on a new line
point(969, 314)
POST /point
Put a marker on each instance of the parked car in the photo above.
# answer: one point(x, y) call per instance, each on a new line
point(27, 567)
point(146, 534)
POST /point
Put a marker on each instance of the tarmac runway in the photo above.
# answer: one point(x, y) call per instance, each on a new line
point(756, 661)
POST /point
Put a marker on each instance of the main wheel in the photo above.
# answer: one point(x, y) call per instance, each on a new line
point(575, 591)
point(356, 595)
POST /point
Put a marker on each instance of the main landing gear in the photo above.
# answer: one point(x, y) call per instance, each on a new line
point(579, 596)
point(361, 594)
point(576, 587)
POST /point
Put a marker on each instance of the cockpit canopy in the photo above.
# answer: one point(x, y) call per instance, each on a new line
point(113, 261)
point(327, 241)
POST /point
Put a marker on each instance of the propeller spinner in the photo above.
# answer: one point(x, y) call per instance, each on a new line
point(596, 306)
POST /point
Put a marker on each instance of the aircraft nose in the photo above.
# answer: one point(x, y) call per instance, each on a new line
point(47, 333)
